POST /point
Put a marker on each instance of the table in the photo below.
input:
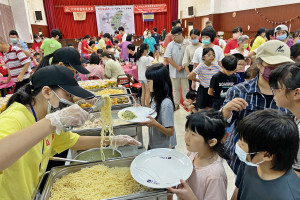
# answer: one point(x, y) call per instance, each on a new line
point(131, 71)
point(3, 87)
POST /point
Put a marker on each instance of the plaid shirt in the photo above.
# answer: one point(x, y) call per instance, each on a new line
point(250, 92)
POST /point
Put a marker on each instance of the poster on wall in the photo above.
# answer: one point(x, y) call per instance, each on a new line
point(110, 18)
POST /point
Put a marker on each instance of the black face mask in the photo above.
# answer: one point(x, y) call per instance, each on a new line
point(63, 103)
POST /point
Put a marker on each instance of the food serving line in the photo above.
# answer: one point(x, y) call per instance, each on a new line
point(152, 169)
point(93, 128)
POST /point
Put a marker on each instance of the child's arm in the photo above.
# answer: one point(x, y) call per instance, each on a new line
point(169, 131)
point(211, 91)
point(193, 76)
point(184, 191)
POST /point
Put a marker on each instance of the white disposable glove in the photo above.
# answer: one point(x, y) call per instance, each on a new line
point(72, 116)
point(121, 140)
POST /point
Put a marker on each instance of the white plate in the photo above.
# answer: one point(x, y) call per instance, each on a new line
point(161, 168)
point(141, 112)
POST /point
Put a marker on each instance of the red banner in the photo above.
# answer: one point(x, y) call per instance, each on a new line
point(150, 8)
point(79, 8)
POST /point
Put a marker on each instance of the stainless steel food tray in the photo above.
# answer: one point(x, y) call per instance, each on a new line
point(117, 124)
point(118, 106)
point(58, 172)
point(127, 91)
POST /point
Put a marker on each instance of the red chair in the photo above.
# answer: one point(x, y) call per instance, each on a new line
point(125, 81)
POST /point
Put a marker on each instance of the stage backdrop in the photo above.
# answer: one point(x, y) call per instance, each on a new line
point(57, 18)
point(110, 18)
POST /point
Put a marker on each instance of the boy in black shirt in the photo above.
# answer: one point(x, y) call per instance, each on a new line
point(156, 36)
point(222, 81)
point(132, 54)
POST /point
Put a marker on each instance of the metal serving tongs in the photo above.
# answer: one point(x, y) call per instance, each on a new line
point(67, 160)
point(96, 107)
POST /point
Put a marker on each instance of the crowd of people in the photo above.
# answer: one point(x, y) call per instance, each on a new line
point(242, 95)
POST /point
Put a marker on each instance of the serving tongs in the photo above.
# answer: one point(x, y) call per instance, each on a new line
point(100, 102)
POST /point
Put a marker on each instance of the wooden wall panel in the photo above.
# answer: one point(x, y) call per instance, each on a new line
point(44, 29)
point(6, 21)
point(225, 22)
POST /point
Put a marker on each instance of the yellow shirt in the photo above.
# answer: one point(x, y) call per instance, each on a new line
point(20, 180)
point(101, 44)
point(257, 42)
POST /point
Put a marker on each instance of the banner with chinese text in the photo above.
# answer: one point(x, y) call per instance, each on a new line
point(79, 9)
point(150, 8)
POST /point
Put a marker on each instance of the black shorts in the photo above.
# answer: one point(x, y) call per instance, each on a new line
point(217, 103)
point(203, 100)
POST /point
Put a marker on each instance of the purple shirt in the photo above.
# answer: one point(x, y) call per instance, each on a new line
point(290, 42)
point(125, 53)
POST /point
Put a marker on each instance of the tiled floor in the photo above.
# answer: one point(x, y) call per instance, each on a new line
point(179, 127)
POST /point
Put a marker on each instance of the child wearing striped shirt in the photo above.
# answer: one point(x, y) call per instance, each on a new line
point(205, 71)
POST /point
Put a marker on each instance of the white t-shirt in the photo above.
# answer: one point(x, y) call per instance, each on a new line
point(142, 63)
point(124, 37)
point(117, 53)
point(222, 43)
point(245, 53)
point(219, 55)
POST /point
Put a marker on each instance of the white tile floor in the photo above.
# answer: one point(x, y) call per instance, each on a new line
point(180, 119)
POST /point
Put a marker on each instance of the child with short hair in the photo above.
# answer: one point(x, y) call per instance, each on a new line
point(204, 71)
point(251, 72)
point(268, 145)
point(203, 136)
point(116, 53)
point(189, 102)
point(222, 81)
point(240, 69)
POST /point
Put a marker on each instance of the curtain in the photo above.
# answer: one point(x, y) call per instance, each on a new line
point(77, 29)
point(50, 14)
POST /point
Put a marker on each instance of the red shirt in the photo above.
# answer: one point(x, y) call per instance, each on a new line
point(109, 43)
point(84, 44)
point(119, 37)
point(36, 46)
point(3, 70)
point(168, 39)
point(232, 44)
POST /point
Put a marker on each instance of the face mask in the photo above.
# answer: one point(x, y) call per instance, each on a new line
point(195, 41)
point(243, 156)
point(104, 61)
point(132, 40)
point(13, 40)
point(245, 46)
point(266, 73)
point(149, 35)
point(298, 41)
point(236, 36)
point(38, 40)
point(63, 103)
point(281, 37)
point(205, 42)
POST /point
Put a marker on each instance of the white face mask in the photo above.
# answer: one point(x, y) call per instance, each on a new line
point(38, 40)
point(149, 35)
point(243, 156)
point(104, 61)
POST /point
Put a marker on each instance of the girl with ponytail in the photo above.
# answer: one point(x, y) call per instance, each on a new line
point(204, 133)
point(143, 63)
point(258, 38)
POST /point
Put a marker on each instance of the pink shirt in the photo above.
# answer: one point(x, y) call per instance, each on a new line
point(210, 182)
point(95, 70)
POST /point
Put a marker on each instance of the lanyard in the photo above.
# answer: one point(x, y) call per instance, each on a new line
point(33, 112)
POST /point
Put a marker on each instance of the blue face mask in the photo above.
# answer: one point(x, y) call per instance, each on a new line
point(243, 156)
point(205, 42)
point(13, 40)
point(281, 37)
point(298, 41)
point(195, 41)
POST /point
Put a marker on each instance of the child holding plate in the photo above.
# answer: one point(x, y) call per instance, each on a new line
point(161, 131)
point(204, 133)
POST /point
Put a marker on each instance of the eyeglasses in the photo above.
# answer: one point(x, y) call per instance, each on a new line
point(275, 89)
